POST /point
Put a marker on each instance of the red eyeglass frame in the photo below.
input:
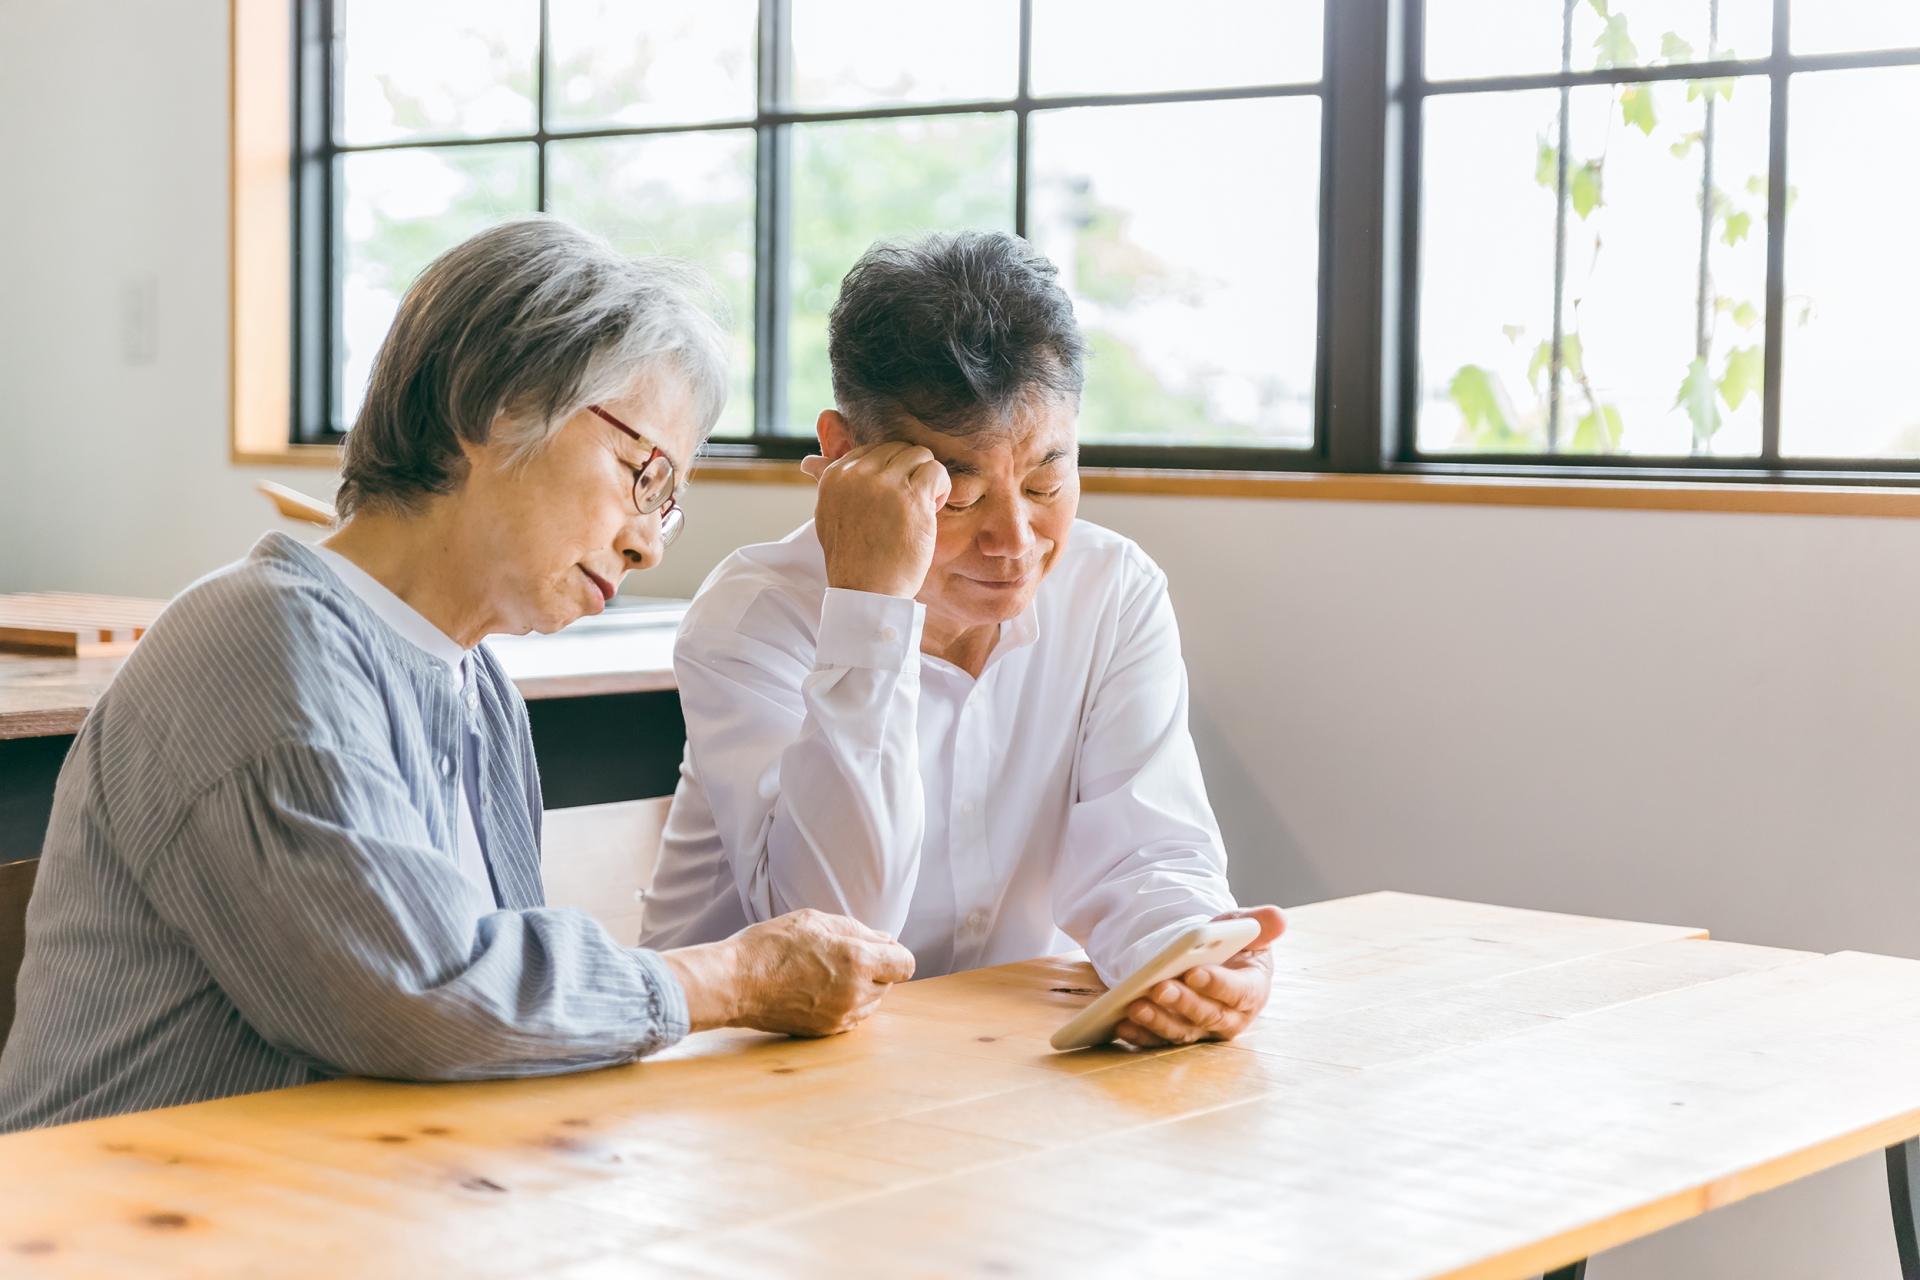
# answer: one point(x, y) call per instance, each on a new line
point(670, 506)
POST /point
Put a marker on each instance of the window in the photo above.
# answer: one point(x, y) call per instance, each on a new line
point(773, 142)
point(1648, 238)
point(1653, 233)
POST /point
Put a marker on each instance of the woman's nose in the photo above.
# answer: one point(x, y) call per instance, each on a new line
point(641, 543)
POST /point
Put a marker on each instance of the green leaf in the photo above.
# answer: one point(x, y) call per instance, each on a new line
point(1598, 432)
point(1746, 373)
point(1746, 315)
point(1696, 397)
point(1546, 168)
point(1738, 224)
point(1757, 185)
point(1598, 6)
point(1542, 362)
point(1636, 107)
point(1514, 332)
point(1585, 189)
point(1674, 49)
point(1483, 403)
point(1615, 48)
point(1681, 148)
point(1707, 88)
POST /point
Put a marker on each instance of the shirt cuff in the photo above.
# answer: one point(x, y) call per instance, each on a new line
point(668, 1015)
point(862, 629)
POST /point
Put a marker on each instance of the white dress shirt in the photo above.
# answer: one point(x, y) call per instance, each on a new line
point(1055, 801)
point(423, 635)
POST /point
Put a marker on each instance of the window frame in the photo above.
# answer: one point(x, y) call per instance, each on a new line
point(1779, 67)
point(317, 209)
point(1372, 90)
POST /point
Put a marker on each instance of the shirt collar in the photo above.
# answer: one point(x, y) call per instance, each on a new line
point(1023, 630)
point(395, 612)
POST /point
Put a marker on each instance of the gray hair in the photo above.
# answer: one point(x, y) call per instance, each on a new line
point(956, 329)
point(526, 324)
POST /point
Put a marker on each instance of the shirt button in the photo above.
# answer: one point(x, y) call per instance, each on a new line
point(977, 919)
point(967, 808)
point(446, 766)
point(888, 633)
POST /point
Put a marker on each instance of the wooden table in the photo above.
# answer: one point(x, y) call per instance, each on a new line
point(1440, 1089)
point(600, 696)
point(627, 650)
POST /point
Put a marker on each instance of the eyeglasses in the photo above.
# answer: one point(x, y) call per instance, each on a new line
point(653, 485)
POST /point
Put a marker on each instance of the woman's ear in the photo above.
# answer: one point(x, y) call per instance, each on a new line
point(836, 435)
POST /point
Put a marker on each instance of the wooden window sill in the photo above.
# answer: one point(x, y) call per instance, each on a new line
point(1492, 491)
point(292, 455)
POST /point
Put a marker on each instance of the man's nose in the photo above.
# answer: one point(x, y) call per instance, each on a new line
point(1007, 531)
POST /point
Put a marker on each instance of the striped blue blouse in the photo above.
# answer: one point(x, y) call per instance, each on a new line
point(250, 879)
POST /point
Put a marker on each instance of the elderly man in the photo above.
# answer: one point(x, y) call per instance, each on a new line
point(945, 707)
point(299, 836)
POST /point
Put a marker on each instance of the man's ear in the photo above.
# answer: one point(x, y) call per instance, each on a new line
point(836, 435)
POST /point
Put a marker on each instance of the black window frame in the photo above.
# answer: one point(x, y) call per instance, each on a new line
point(1367, 386)
point(1779, 68)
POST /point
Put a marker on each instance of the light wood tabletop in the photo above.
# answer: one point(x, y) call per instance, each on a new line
point(1439, 1089)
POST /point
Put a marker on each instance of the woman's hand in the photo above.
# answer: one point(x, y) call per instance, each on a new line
point(806, 973)
point(1212, 1002)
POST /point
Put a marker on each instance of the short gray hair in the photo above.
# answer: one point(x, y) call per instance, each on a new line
point(956, 329)
point(528, 322)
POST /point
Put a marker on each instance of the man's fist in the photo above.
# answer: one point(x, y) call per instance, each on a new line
point(875, 516)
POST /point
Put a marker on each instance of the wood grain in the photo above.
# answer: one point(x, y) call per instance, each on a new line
point(295, 505)
point(1443, 1089)
point(44, 696)
point(73, 625)
point(41, 696)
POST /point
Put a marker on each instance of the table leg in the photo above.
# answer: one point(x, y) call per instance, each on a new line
point(1903, 1182)
point(1574, 1271)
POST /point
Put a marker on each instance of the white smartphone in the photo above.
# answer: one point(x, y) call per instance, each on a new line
point(1209, 943)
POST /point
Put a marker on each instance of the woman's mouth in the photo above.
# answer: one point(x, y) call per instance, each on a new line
point(600, 584)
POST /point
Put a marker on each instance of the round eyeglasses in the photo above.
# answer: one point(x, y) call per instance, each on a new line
point(653, 484)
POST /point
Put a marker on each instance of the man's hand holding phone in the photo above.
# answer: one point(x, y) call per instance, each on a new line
point(1211, 1002)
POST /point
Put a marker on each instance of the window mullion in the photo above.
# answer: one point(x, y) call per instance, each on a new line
point(1352, 233)
point(1400, 272)
point(1022, 96)
point(315, 222)
point(540, 112)
point(772, 218)
point(1776, 238)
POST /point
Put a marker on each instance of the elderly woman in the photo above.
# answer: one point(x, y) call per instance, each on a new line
point(299, 836)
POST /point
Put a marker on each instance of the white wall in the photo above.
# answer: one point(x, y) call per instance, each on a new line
point(1701, 719)
point(113, 169)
